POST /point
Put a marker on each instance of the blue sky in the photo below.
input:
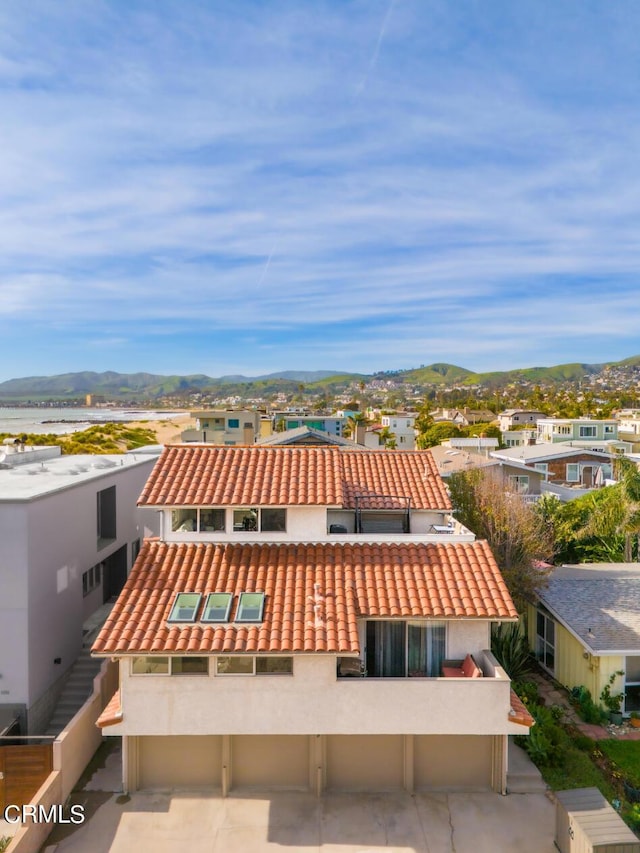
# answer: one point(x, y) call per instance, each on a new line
point(221, 187)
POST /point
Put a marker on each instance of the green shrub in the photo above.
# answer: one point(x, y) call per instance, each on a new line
point(511, 649)
point(4, 843)
point(584, 742)
point(527, 691)
point(586, 707)
point(538, 746)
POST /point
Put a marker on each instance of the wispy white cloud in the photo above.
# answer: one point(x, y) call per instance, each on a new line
point(170, 169)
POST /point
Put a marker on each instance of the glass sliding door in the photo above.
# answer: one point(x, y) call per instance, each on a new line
point(398, 649)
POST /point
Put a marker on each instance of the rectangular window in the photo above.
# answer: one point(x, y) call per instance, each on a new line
point(91, 578)
point(562, 429)
point(211, 520)
point(185, 607)
point(587, 432)
point(541, 466)
point(632, 684)
point(519, 483)
point(546, 640)
point(203, 520)
point(190, 665)
point(184, 520)
point(250, 607)
point(150, 665)
point(273, 519)
point(609, 429)
point(573, 472)
point(245, 519)
point(235, 665)
point(106, 516)
point(217, 607)
point(274, 666)
point(233, 423)
point(249, 665)
point(253, 518)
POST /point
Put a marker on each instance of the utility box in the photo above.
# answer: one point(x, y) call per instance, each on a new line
point(586, 823)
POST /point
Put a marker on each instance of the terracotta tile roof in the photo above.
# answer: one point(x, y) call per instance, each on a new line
point(213, 475)
point(112, 714)
point(314, 594)
point(518, 712)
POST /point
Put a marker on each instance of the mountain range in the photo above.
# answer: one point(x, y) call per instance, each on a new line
point(123, 386)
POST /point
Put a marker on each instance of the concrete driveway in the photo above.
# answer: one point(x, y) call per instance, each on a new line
point(296, 822)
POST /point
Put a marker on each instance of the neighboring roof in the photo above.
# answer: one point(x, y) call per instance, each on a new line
point(112, 713)
point(452, 461)
point(599, 604)
point(214, 475)
point(478, 441)
point(314, 594)
point(539, 452)
point(308, 436)
point(27, 482)
point(518, 711)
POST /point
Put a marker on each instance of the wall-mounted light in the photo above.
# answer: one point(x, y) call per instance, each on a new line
point(57, 661)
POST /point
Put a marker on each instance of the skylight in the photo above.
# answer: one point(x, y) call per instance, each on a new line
point(185, 607)
point(250, 607)
point(217, 607)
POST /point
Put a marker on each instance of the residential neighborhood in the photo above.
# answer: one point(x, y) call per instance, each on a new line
point(319, 427)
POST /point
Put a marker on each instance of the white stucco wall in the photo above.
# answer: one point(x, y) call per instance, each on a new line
point(14, 603)
point(312, 701)
point(311, 524)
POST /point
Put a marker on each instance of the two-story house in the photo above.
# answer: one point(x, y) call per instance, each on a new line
point(402, 425)
point(224, 426)
point(310, 618)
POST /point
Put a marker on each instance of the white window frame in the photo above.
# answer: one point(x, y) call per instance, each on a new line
point(519, 483)
point(588, 431)
point(542, 641)
point(568, 475)
point(254, 672)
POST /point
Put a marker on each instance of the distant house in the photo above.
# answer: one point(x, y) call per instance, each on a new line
point(516, 477)
point(402, 425)
point(585, 431)
point(585, 626)
point(464, 416)
point(568, 471)
point(331, 424)
point(512, 418)
point(224, 426)
point(311, 618)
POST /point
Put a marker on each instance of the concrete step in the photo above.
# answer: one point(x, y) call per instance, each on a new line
point(525, 784)
point(523, 777)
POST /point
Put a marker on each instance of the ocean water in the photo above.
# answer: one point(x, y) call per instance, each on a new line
point(62, 421)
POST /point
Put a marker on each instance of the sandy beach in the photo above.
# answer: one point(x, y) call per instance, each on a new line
point(167, 431)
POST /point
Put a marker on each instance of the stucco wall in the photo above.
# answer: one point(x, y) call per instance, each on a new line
point(14, 663)
point(311, 701)
point(63, 544)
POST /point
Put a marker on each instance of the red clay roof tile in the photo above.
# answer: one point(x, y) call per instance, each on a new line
point(518, 711)
point(112, 713)
point(314, 593)
point(213, 475)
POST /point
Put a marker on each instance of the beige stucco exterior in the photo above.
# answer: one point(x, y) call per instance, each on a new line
point(316, 762)
point(314, 700)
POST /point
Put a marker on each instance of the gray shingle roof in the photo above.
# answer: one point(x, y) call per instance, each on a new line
point(602, 599)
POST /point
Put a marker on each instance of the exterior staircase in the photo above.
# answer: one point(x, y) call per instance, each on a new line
point(76, 691)
point(523, 777)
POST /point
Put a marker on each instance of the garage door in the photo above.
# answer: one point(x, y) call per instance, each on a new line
point(452, 762)
point(270, 761)
point(365, 762)
point(179, 762)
